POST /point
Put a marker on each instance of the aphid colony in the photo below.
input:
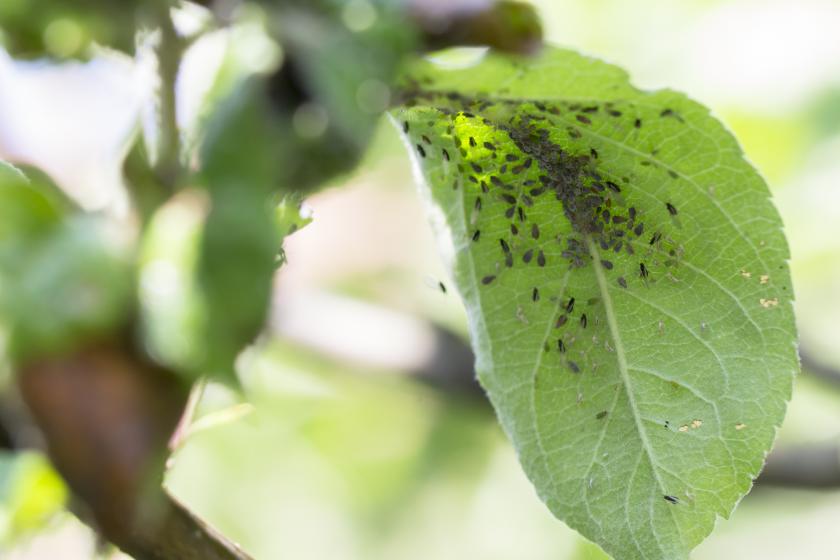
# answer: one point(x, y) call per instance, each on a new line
point(507, 159)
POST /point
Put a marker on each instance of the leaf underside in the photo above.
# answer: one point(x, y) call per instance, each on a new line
point(626, 282)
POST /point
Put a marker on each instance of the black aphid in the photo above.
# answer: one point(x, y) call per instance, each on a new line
point(560, 345)
point(527, 256)
point(583, 320)
point(521, 213)
point(614, 113)
point(442, 287)
point(594, 153)
point(405, 127)
point(622, 282)
point(505, 246)
point(509, 198)
point(510, 157)
point(472, 142)
point(476, 167)
point(655, 238)
point(638, 123)
point(606, 264)
point(487, 279)
point(514, 230)
point(561, 320)
point(445, 154)
point(535, 295)
point(477, 235)
point(671, 499)
point(541, 258)
point(601, 415)
point(489, 146)
point(671, 208)
point(477, 203)
point(573, 366)
point(639, 229)
point(421, 151)
point(535, 231)
point(643, 271)
point(509, 212)
point(583, 119)
point(426, 139)
point(570, 306)
point(613, 186)
point(495, 180)
point(632, 213)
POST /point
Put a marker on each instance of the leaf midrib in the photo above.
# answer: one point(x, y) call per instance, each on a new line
point(623, 370)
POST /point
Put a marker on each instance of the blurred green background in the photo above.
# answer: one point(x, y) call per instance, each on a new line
point(335, 451)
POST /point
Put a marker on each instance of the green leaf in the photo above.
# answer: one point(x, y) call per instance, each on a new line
point(31, 493)
point(64, 276)
point(626, 282)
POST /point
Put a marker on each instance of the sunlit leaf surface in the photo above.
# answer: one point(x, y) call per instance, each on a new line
point(625, 277)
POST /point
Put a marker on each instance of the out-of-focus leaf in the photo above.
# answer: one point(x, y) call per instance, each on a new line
point(63, 276)
point(67, 29)
point(73, 284)
point(31, 493)
point(626, 281)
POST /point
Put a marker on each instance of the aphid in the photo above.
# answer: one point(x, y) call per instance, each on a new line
point(478, 203)
point(527, 256)
point(643, 271)
point(445, 154)
point(487, 279)
point(583, 320)
point(477, 235)
point(513, 229)
point(632, 213)
point(606, 264)
point(561, 320)
point(521, 213)
point(655, 238)
point(509, 212)
point(573, 366)
point(442, 287)
point(421, 151)
point(489, 146)
point(583, 119)
point(535, 295)
point(472, 179)
point(505, 246)
point(613, 186)
point(405, 127)
point(614, 113)
point(639, 229)
point(472, 141)
point(571, 305)
point(509, 198)
point(426, 139)
point(560, 345)
point(510, 157)
point(671, 499)
point(495, 180)
point(638, 123)
point(528, 163)
point(476, 167)
point(622, 282)
point(671, 208)
point(541, 258)
point(484, 188)
point(535, 231)
point(601, 415)
point(594, 153)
